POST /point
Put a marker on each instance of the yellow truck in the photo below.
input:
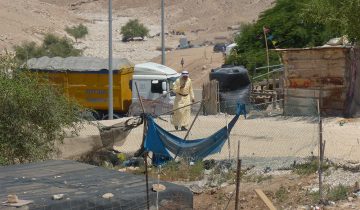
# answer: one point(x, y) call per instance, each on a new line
point(85, 79)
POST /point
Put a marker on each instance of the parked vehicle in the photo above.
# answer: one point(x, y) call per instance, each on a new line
point(85, 79)
point(219, 47)
point(155, 83)
point(229, 48)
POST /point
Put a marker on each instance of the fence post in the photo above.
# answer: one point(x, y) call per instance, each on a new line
point(238, 171)
point(321, 153)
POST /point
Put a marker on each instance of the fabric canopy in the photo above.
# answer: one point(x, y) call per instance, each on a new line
point(167, 146)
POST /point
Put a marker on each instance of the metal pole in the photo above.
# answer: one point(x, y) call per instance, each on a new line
point(110, 108)
point(162, 34)
point(238, 170)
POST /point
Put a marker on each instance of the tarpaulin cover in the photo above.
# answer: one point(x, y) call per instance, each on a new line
point(166, 146)
point(76, 64)
point(83, 186)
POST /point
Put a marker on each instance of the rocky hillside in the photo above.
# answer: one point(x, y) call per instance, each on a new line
point(30, 19)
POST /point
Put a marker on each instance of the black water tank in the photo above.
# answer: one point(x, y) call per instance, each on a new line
point(230, 77)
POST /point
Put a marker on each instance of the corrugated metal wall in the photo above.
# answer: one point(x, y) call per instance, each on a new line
point(322, 74)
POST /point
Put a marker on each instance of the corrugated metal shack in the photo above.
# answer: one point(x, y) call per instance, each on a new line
point(330, 75)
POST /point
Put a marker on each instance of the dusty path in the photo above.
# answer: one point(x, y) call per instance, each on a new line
point(276, 138)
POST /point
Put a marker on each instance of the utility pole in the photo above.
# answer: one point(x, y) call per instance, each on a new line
point(110, 107)
point(162, 34)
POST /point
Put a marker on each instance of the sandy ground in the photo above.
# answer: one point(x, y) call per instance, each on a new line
point(281, 139)
point(29, 20)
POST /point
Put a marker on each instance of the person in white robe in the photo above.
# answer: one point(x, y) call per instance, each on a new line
point(184, 96)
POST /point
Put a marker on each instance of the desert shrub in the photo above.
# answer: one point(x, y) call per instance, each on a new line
point(309, 167)
point(132, 29)
point(78, 32)
point(52, 46)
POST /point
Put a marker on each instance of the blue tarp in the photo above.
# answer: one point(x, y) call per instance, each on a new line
point(166, 146)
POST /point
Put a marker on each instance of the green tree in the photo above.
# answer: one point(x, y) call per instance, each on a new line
point(132, 29)
point(287, 29)
point(33, 115)
point(78, 32)
point(52, 46)
point(342, 16)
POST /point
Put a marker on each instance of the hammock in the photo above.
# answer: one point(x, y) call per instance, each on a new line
point(166, 146)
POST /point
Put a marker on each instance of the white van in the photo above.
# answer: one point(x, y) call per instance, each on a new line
point(154, 83)
point(229, 48)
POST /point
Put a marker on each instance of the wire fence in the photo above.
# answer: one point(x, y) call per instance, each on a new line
point(270, 140)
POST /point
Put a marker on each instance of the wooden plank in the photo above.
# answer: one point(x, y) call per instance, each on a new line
point(315, 93)
point(301, 101)
point(293, 110)
point(317, 72)
point(265, 199)
point(315, 54)
point(310, 82)
point(316, 64)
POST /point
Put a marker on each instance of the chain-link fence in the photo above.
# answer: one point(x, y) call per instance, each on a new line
point(270, 140)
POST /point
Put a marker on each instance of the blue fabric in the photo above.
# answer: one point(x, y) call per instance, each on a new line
point(166, 146)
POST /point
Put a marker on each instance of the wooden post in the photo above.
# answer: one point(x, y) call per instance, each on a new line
point(265, 199)
point(238, 171)
point(192, 124)
point(267, 57)
point(146, 180)
point(228, 135)
point(321, 151)
point(142, 147)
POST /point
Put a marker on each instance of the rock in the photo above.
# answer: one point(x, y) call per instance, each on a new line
point(207, 172)
point(12, 198)
point(158, 187)
point(350, 199)
point(332, 203)
point(108, 196)
point(165, 202)
point(314, 190)
point(196, 189)
point(305, 208)
point(209, 164)
point(357, 194)
point(122, 170)
point(267, 169)
point(213, 184)
point(225, 184)
point(58, 197)
point(213, 191)
point(356, 187)
point(131, 168)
